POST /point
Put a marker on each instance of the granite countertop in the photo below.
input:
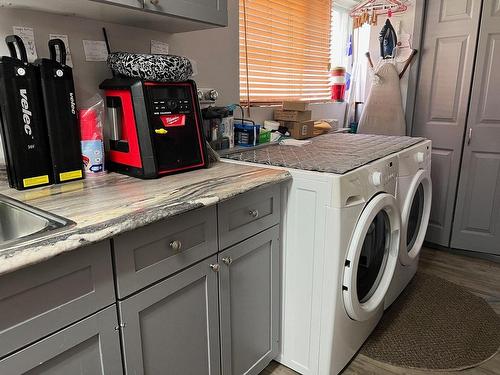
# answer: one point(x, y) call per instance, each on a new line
point(103, 207)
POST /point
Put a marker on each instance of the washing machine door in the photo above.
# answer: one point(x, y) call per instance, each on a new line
point(415, 215)
point(372, 257)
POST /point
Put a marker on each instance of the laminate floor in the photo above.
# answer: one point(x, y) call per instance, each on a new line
point(481, 277)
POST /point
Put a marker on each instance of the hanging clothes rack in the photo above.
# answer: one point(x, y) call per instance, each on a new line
point(379, 7)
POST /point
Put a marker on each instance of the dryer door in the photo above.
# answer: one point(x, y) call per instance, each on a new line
point(415, 217)
point(372, 257)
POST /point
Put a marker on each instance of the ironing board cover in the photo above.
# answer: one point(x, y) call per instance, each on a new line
point(383, 112)
point(331, 153)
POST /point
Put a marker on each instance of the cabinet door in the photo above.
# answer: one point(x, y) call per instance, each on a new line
point(43, 298)
point(209, 11)
point(444, 84)
point(90, 347)
point(249, 303)
point(172, 327)
point(127, 3)
point(477, 216)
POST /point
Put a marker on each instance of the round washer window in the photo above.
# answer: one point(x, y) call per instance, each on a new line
point(373, 256)
point(415, 217)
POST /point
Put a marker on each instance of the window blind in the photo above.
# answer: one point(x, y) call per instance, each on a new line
point(284, 50)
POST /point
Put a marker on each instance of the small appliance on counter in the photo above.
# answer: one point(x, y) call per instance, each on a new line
point(155, 127)
point(58, 91)
point(23, 129)
point(218, 127)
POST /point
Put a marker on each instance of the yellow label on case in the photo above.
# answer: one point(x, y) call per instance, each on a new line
point(33, 181)
point(71, 175)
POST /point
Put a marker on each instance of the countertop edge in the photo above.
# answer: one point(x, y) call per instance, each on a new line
point(45, 248)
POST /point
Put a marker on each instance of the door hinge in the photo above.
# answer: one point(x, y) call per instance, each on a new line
point(469, 138)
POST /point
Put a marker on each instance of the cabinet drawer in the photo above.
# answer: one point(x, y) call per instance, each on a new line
point(43, 298)
point(90, 346)
point(248, 214)
point(154, 252)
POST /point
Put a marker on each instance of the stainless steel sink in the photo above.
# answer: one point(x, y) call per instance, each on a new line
point(20, 222)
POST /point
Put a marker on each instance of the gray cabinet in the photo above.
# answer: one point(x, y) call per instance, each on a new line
point(249, 303)
point(209, 11)
point(171, 16)
point(39, 300)
point(248, 214)
point(183, 309)
point(128, 3)
point(172, 327)
point(156, 251)
point(89, 347)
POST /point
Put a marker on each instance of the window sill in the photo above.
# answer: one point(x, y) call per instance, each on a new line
point(274, 105)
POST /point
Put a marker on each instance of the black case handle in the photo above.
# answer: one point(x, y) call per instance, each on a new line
point(53, 52)
point(13, 41)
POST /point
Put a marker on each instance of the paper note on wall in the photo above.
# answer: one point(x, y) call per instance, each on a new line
point(159, 47)
point(27, 34)
point(64, 38)
point(95, 50)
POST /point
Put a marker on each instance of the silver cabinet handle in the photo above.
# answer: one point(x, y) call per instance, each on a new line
point(175, 245)
point(469, 138)
point(215, 267)
point(227, 260)
point(154, 2)
point(254, 213)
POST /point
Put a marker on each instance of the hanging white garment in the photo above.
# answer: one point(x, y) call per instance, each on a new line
point(383, 111)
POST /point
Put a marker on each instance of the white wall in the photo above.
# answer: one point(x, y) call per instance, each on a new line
point(216, 52)
point(87, 75)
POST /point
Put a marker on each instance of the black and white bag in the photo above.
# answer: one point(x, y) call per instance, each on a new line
point(158, 68)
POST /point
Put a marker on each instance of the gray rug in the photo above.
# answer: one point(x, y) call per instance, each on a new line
point(435, 325)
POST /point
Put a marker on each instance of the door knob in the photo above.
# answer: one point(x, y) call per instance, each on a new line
point(175, 245)
point(215, 267)
point(154, 2)
point(254, 213)
point(227, 260)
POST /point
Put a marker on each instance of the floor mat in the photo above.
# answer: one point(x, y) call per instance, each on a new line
point(435, 325)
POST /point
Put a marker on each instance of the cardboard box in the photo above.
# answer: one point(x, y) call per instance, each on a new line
point(283, 115)
point(295, 105)
point(299, 130)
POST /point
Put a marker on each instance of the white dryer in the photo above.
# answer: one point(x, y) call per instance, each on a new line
point(414, 196)
point(340, 240)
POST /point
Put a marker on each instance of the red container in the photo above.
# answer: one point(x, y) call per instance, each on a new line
point(90, 127)
point(337, 81)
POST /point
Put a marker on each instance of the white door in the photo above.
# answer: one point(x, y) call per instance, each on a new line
point(415, 216)
point(477, 215)
point(372, 257)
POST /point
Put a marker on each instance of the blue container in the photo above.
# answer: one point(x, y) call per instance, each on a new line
point(246, 134)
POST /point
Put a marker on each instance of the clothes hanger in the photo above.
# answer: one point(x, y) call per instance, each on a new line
point(379, 7)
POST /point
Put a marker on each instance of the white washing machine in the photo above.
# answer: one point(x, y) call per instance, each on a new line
point(414, 196)
point(340, 242)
